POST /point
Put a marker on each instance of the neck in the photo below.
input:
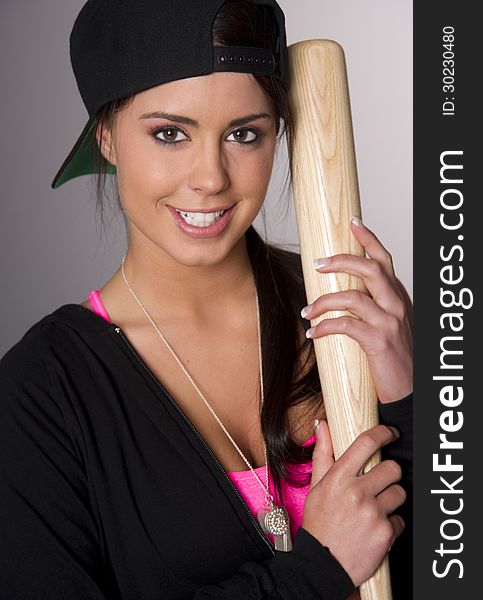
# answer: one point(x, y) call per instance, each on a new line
point(190, 292)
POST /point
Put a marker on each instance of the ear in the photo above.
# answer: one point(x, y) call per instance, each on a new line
point(105, 142)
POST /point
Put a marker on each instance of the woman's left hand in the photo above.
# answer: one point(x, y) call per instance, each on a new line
point(381, 323)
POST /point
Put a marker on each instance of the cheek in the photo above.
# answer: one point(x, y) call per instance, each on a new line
point(145, 175)
point(253, 172)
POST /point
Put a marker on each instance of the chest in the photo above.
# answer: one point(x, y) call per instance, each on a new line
point(218, 389)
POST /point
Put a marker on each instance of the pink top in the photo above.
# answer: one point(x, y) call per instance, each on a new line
point(245, 482)
point(293, 497)
point(97, 305)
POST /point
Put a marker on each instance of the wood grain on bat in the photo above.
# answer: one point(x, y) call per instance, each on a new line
point(326, 195)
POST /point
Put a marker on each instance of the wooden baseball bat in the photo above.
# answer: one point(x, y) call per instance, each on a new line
point(326, 195)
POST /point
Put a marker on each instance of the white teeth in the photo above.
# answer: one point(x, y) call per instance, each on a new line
point(200, 219)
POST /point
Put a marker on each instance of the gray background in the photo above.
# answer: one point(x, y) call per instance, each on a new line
point(51, 248)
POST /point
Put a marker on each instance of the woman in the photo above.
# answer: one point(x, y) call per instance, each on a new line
point(158, 437)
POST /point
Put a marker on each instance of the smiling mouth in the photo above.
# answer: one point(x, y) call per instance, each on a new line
point(200, 219)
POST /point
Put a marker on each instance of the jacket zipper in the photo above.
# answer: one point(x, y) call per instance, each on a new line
point(197, 433)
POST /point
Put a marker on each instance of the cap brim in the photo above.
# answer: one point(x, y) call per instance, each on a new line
point(82, 159)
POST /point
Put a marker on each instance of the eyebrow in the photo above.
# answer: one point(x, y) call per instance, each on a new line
point(193, 123)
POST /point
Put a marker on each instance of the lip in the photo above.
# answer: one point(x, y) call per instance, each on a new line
point(209, 231)
point(202, 210)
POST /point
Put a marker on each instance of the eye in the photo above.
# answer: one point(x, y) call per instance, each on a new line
point(168, 135)
point(246, 135)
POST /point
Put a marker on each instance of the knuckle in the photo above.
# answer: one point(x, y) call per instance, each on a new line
point(344, 324)
point(384, 337)
point(369, 513)
point(385, 532)
point(394, 325)
point(357, 297)
point(375, 267)
point(356, 497)
point(400, 311)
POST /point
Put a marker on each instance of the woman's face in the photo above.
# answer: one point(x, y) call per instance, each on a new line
point(201, 146)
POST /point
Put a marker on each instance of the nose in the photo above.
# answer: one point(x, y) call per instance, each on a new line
point(208, 173)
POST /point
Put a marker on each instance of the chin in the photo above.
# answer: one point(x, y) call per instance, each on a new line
point(206, 253)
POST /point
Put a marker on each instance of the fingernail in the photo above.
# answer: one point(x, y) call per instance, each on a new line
point(320, 262)
point(394, 430)
point(310, 332)
point(317, 427)
point(306, 310)
point(356, 221)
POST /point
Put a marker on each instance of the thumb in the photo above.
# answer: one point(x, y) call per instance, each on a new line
point(323, 455)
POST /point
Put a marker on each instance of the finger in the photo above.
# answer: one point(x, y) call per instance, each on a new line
point(354, 328)
point(353, 460)
point(381, 287)
point(381, 476)
point(355, 301)
point(398, 525)
point(391, 498)
point(323, 454)
point(372, 245)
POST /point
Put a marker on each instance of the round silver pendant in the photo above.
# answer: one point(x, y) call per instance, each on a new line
point(274, 520)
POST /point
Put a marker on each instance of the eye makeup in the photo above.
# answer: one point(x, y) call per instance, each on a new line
point(163, 130)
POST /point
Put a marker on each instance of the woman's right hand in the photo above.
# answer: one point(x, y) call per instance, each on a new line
point(349, 511)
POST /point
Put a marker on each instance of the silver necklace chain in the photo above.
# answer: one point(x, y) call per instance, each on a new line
point(265, 488)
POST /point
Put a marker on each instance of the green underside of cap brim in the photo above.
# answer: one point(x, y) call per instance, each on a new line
point(82, 159)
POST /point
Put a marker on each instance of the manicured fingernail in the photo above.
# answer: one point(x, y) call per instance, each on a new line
point(394, 430)
point(320, 262)
point(306, 310)
point(317, 427)
point(356, 221)
point(310, 332)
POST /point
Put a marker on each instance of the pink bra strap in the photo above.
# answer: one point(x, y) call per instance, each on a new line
point(98, 306)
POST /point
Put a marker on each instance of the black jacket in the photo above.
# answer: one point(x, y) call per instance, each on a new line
point(107, 491)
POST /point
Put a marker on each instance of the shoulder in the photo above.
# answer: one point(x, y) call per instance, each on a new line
point(31, 351)
point(66, 321)
point(47, 377)
point(50, 345)
point(30, 405)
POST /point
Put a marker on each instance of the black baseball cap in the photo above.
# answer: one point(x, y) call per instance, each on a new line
point(121, 47)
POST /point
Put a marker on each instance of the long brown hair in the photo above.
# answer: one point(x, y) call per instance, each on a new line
point(290, 374)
